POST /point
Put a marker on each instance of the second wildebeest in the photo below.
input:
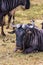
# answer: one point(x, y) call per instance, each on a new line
point(8, 5)
point(42, 25)
point(28, 38)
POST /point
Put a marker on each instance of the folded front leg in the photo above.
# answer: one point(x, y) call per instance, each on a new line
point(28, 50)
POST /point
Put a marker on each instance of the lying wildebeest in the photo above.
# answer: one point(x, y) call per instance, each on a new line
point(28, 38)
point(8, 5)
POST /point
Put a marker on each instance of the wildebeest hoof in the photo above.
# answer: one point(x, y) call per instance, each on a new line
point(15, 50)
point(25, 52)
point(7, 27)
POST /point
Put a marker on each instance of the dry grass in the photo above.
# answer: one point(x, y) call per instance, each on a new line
point(9, 57)
point(7, 44)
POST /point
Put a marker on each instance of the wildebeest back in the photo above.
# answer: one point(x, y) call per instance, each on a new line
point(7, 5)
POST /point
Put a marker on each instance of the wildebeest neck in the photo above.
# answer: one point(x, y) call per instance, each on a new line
point(7, 5)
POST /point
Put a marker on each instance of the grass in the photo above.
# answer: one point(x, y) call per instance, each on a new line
point(8, 57)
point(35, 12)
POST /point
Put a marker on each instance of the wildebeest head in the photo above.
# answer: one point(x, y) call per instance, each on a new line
point(28, 38)
point(25, 3)
point(21, 31)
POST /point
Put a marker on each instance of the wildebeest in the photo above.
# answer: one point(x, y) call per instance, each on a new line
point(42, 25)
point(28, 38)
point(8, 5)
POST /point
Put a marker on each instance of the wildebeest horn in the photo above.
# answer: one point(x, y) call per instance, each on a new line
point(31, 26)
point(24, 26)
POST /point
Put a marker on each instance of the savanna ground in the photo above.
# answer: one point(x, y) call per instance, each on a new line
point(7, 44)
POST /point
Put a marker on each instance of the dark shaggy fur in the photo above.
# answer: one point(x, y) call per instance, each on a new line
point(33, 41)
point(7, 5)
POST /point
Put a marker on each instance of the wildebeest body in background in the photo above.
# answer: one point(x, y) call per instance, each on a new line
point(28, 38)
point(7, 5)
point(42, 25)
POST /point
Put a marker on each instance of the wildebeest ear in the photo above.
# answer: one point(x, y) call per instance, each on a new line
point(12, 32)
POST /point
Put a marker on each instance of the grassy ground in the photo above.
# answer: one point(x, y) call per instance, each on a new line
point(35, 11)
point(7, 44)
point(8, 57)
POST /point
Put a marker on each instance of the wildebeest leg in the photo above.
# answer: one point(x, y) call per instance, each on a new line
point(28, 50)
point(15, 49)
point(13, 15)
point(10, 16)
point(13, 21)
point(2, 30)
point(2, 26)
point(31, 49)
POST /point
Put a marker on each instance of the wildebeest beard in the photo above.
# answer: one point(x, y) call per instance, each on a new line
point(30, 38)
point(26, 39)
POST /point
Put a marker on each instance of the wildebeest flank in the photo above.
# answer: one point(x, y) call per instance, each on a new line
point(7, 5)
point(28, 38)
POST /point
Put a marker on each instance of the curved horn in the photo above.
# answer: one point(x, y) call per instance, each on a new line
point(18, 25)
point(24, 26)
point(31, 26)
